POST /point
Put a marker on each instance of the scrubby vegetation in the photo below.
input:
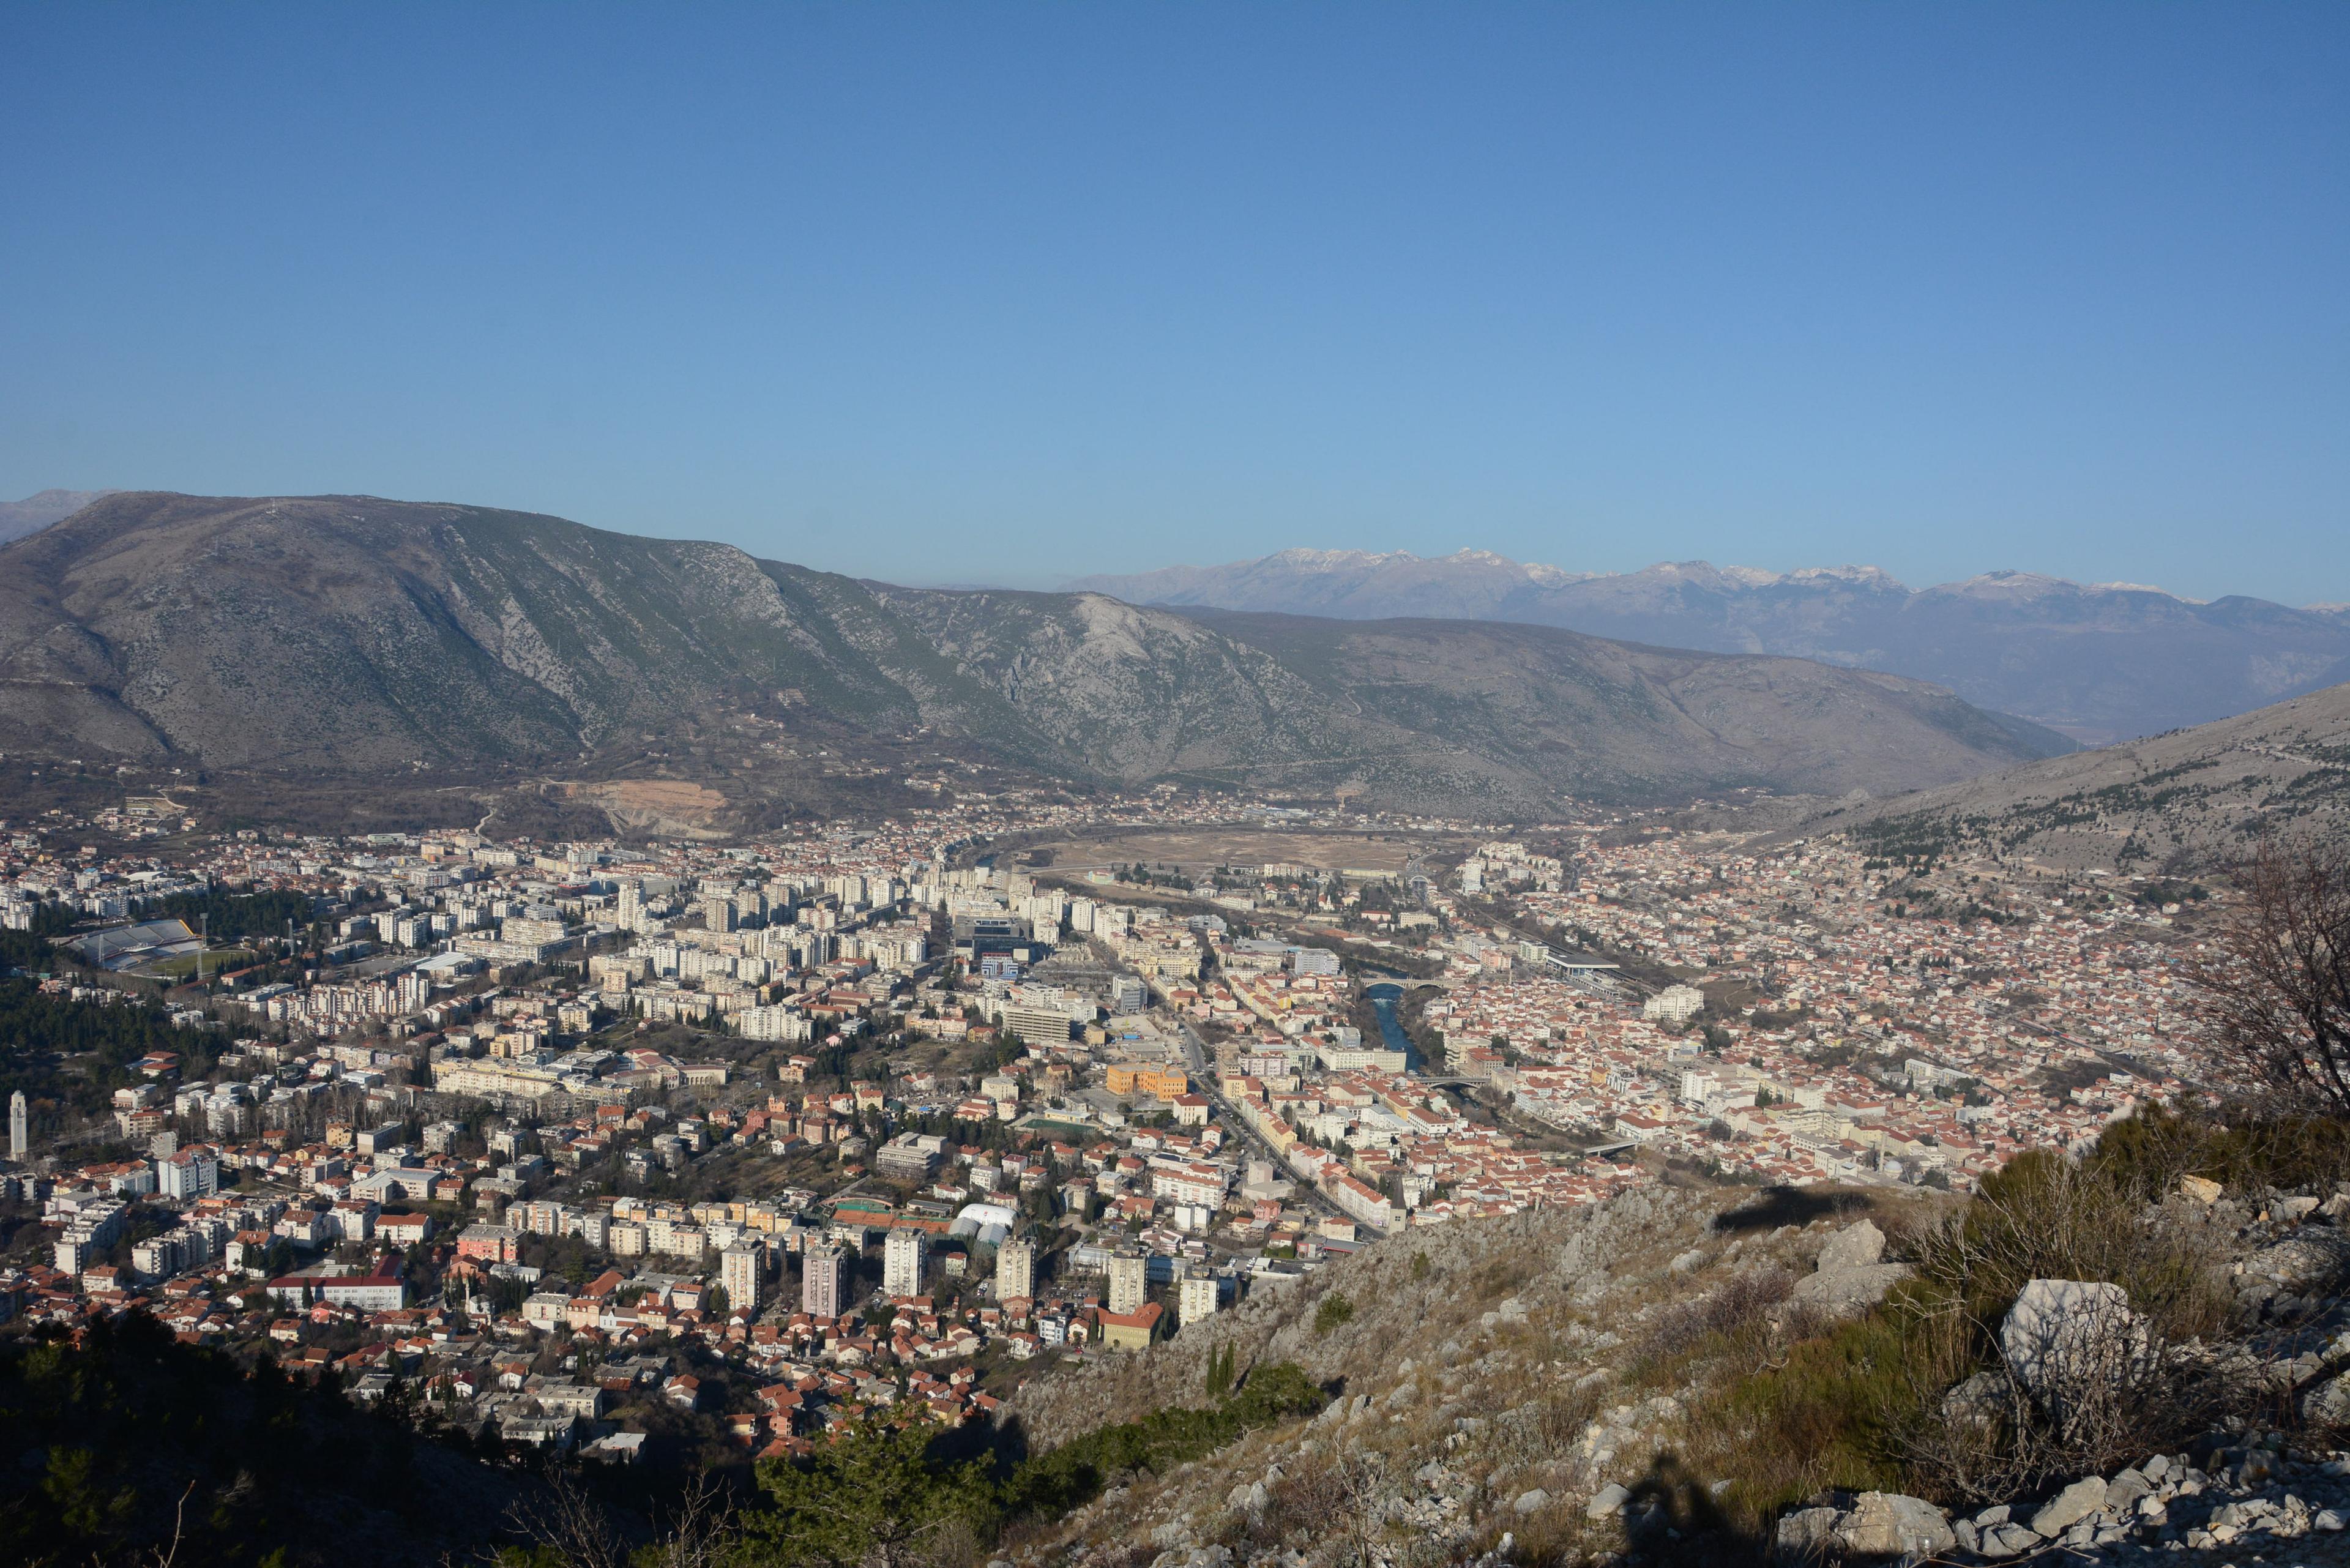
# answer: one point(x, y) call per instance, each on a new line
point(1802, 1406)
point(1335, 1311)
point(1058, 1480)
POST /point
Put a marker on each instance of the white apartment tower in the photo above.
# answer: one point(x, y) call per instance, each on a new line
point(904, 1257)
point(188, 1174)
point(824, 1281)
point(1015, 1271)
point(738, 1272)
point(20, 1127)
point(1196, 1300)
point(1130, 1283)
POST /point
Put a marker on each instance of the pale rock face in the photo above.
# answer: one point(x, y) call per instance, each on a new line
point(2310, 1260)
point(1855, 1246)
point(2065, 1335)
point(2004, 1540)
point(2123, 1492)
point(1979, 1401)
point(1850, 1290)
point(1888, 1524)
point(2069, 1507)
point(1850, 1276)
point(2328, 1404)
point(1805, 1535)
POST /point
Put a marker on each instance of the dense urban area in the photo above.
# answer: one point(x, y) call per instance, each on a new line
point(582, 1145)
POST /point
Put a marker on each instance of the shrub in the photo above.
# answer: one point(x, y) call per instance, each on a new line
point(1817, 1418)
point(1865, 1404)
point(1334, 1311)
point(2146, 1155)
point(2044, 1217)
point(1735, 1316)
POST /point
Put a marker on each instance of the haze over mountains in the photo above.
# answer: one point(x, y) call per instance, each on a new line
point(35, 512)
point(352, 635)
point(2098, 662)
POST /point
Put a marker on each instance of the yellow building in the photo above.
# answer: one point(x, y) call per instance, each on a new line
point(1142, 1078)
point(1131, 1330)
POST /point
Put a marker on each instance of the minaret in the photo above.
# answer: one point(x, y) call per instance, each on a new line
point(19, 1126)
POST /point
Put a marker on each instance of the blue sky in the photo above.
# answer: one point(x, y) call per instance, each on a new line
point(998, 292)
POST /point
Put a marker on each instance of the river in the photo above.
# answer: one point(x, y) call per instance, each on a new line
point(1383, 998)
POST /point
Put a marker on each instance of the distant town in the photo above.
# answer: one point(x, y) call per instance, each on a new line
point(554, 1138)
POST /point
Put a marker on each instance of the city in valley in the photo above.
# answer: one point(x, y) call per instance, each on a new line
point(569, 1143)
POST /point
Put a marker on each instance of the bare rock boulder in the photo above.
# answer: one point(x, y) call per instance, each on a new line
point(1850, 1289)
point(1885, 1526)
point(1856, 1246)
point(2069, 1507)
point(1805, 1537)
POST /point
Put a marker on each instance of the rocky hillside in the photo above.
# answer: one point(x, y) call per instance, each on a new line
point(359, 637)
point(2186, 801)
point(1687, 1375)
point(2101, 662)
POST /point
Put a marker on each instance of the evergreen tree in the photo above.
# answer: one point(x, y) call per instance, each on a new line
point(869, 1498)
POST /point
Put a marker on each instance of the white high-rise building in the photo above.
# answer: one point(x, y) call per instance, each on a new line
point(20, 1126)
point(824, 1281)
point(904, 1257)
point(1015, 1271)
point(1674, 1004)
point(1196, 1299)
point(738, 1273)
point(190, 1173)
point(1130, 1283)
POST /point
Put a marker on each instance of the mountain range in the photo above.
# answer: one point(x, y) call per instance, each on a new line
point(2098, 662)
point(357, 637)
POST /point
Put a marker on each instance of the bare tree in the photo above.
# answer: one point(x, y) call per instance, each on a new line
point(569, 1521)
point(1338, 1505)
point(2278, 995)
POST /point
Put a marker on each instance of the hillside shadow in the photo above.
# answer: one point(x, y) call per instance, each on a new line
point(1004, 1445)
point(1672, 1517)
point(1794, 1206)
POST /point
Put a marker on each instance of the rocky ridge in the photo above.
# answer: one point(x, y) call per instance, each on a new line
point(2187, 800)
